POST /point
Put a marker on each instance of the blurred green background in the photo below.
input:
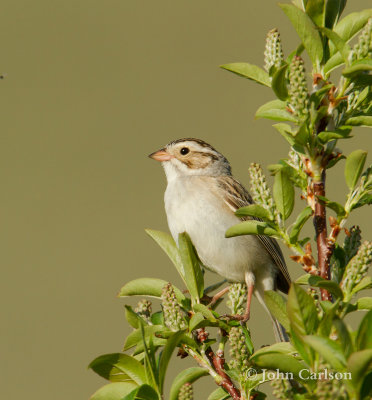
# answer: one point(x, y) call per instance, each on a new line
point(91, 88)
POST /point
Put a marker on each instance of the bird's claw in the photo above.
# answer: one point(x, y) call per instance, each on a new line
point(236, 317)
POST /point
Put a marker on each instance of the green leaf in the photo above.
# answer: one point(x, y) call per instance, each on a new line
point(307, 32)
point(111, 367)
point(113, 391)
point(302, 135)
point(249, 71)
point(315, 9)
point(349, 26)
point(303, 279)
point(366, 389)
point(301, 310)
point(354, 167)
point(135, 337)
point(205, 311)
point(277, 306)
point(329, 349)
point(325, 324)
point(130, 366)
point(333, 12)
point(276, 110)
point(364, 335)
point(305, 214)
point(169, 246)
point(188, 375)
point(335, 61)
point(358, 67)
point(317, 281)
point(157, 318)
point(254, 210)
point(331, 286)
point(277, 360)
point(248, 340)
point(156, 342)
point(279, 82)
point(365, 283)
point(193, 274)
point(326, 136)
point(306, 352)
point(364, 303)
point(218, 394)
point(333, 205)
point(286, 131)
point(251, 228)
point(144, 392)
point(366, 199)
point(283, 192)
point(196, 321)
point(301, 4)
point(133, 318)
point(150, 363)
point(359, 364)
point(281, 347)
point(343, 335)
point(166, 355)
point(339, 43)
point(362, 96)
point(147, 287)
point(362, 120)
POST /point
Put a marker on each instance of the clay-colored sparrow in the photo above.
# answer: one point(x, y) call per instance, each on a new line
point(200, 199)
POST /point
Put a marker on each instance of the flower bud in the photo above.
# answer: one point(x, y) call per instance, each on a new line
point(364, 46)
point(298, 92)
point(173, 316)
point(239, 353)
point(327, 389)
point(357, 268)
point(260, 191)
point(237, 298)
point(273, 50)
point(144, 309)
point(282, 389)
point(186, 392)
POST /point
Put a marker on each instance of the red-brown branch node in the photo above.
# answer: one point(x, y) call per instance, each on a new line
point(226, 383)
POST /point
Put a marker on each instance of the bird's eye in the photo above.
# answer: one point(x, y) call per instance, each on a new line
point(184, 151)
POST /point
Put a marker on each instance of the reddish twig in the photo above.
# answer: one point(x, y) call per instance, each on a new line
point(218, 362)
point(320, 225)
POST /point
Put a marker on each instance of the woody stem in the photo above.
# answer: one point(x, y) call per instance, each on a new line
point(320, 225)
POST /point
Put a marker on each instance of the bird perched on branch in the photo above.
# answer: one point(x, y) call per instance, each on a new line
point(201, 199)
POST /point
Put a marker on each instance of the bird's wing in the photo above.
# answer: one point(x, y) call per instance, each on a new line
point(236, 197)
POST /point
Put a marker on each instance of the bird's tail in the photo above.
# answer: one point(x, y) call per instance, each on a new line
point(279, 331)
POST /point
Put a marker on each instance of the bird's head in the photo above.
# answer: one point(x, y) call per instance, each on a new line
point(184, 157)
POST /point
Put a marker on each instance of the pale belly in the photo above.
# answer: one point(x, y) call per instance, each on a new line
point(191, 207)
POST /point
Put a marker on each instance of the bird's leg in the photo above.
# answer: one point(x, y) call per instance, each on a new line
point(247, 313)
point(250, 281)
point(218, 295)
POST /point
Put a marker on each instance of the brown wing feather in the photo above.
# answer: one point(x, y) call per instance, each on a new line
point(236, 197)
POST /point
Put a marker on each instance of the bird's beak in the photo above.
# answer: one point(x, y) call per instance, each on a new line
point(161, 155)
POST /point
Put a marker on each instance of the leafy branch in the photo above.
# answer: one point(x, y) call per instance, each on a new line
point(313, 113)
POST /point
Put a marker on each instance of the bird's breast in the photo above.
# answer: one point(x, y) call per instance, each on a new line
point(195, 206)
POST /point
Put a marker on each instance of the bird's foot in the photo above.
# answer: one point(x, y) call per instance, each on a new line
point(207, 300)
point(236, 317)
